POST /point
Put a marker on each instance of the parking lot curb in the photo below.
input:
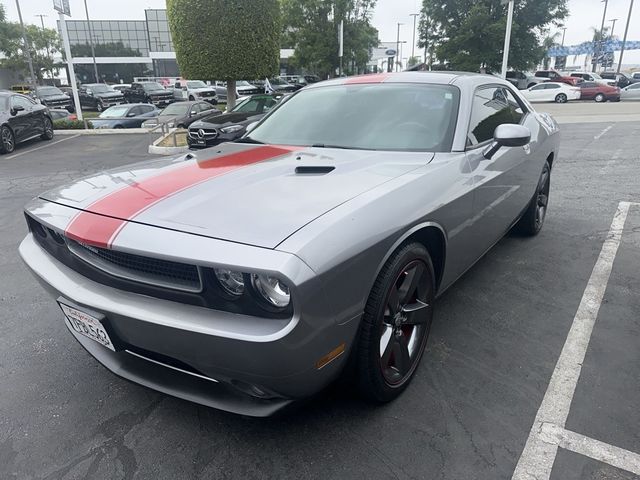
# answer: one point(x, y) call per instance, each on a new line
point(102, 131)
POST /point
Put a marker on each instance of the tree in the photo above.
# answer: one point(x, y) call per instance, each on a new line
point(43, 44)
point(469, 34)
point(226, 39)
point(311, 27)
point(549, 41)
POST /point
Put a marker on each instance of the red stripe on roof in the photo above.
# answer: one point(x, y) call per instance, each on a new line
point(125, 204)
point(372, 78)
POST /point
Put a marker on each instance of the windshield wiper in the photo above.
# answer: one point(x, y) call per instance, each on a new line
point(249, 140)
point(342, 147)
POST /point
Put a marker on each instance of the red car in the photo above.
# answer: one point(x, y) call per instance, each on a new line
point(554, 76)
point(598, 92)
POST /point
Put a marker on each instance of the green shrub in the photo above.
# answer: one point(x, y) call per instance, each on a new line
point(70, 125)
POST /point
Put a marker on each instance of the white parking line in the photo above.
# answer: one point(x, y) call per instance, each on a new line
point(589, 447)
point(539, 453)
point(48, 144)
point(597, 137)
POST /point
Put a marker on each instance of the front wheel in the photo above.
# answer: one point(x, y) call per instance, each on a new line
point(533, 219)
point(99, 106)
point(600, 98)
point(561, 98)
point(47, 129)
point(7, 140)
point(395, 325)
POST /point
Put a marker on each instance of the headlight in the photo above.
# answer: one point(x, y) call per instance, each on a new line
point(231, 129)
point(272, 290)
point(232, 282)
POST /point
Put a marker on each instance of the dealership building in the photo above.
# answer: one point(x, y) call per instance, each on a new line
point(127, 48)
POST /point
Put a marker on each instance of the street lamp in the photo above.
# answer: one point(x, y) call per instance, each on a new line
point(598, 45)
point(624, 41)
point(27, 50)
point(413, 46)
point(398, 44)
point(507, 37)
point(43, 30)
point(93, 52)
point(564, 31)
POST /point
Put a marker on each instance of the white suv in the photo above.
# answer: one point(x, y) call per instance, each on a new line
point(194, 90)
point(593, 77)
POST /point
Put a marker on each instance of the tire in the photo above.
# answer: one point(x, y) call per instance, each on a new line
point(48, 129)
point(7, 140)
point(561, 98)
point(600, 98)
point(533, 219)
point(99, 106)
point(407, 282)
point(191, 99)
point(181, 126)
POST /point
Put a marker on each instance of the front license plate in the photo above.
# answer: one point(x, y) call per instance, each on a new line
point(201, 142)
point(87, 325)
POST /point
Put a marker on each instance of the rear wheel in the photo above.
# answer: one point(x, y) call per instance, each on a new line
point(533, 219)
point(561, 98)
point(395, 326)
point(7, 140)
point(47, 129)
point(600, 98)
point(99, 106)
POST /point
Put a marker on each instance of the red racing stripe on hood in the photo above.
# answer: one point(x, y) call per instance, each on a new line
point(371, 78)
point(122, 205)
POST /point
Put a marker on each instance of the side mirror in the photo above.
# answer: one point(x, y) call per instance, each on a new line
point(251, 126)
point(508, 135)
point(17, 108)
point(131, 114)
point(193, 112)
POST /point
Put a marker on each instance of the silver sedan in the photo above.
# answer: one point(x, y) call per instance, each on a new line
point(631, 92)
point(250, 275)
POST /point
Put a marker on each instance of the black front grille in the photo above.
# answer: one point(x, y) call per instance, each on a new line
point(153, 271)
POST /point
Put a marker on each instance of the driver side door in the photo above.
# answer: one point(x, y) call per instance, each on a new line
point(21, 122)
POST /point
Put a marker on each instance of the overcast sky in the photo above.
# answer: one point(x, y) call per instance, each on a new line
point(583, 15)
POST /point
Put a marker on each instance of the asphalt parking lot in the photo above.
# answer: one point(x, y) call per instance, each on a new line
point(481, 406)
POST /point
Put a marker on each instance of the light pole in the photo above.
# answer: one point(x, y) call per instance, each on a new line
point(93, 52)
point(507, 37)
point(397, 44)
point(564, 31)
point(43, 30)
point(27, 50)
point(413, 45)
point(624, 41)
point(613, 26)
point(598, 45)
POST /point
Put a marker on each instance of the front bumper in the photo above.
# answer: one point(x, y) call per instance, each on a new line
point(220, 356)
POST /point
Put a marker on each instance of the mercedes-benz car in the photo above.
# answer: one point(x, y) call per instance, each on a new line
point(248, 276)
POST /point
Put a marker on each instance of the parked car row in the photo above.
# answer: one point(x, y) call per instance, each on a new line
point(524, 80)
point(561, 92)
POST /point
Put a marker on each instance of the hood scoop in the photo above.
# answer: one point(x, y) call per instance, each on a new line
point(314, 170)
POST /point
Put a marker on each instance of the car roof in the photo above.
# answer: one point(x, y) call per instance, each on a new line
point(438, 78)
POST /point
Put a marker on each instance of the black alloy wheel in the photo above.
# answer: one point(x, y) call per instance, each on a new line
point(7, 140)
point(561, 98)
point(395, 326)
point(533, 219)
point(47, 129)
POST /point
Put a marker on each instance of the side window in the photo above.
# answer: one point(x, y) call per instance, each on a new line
point(489, 109)
point(552, 87)
point(146, 108)
point(135, 110)
point(23, 102)
point(540, 86)
point(514, 105)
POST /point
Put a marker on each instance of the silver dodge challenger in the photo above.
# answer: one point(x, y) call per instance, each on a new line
point(251, 275)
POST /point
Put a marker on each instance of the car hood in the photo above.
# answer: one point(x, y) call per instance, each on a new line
point(159, 92)
point(252, 194)
point(203, 89)
point(55, 97)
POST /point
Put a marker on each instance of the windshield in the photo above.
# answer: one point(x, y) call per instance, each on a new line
point(595, 75)
point(196, 84)
point(152, 86)
point(277, 81)
point(256, 104)
point(49, 91)
point(114, 112)
point(99, 88)
point(243, 83)
point(176, 109)
point(409, 117)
